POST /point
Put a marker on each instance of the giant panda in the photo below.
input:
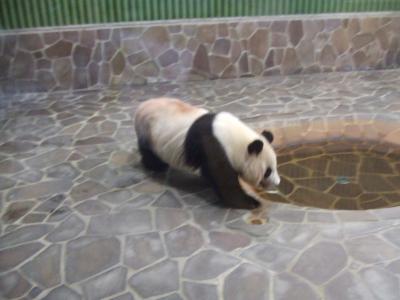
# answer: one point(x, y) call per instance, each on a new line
point(173, 133)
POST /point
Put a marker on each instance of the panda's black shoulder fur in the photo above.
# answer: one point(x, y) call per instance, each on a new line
point(203, 151)
point(199, 132)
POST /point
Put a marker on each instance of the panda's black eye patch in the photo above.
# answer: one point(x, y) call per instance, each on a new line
point(267, 173)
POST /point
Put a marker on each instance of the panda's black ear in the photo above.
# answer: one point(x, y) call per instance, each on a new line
point(255, 147)
point(268, 135)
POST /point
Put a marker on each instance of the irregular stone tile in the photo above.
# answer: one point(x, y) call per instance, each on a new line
point(295, 32)
point(23, 66)
point(360, 249)
point(126, 296)
point(169, 57)
point(247, 282)
point(51, 204)
point(106, 284)
point(62, 292)
point(274, 257)
point(208, 264)
point(374, 183)
point(60, 49)
point(347, 287)
point(16, 147)
point(200, 60)
point(340, 41)
point(81, 56)
point(168, 199)
point(67, 230)
point(13, 285)
point(10, 166)
point(17, 210)
point(287, 286)
point(197, 291)
point(321, 262)
point(118, 63)
point(86, 190)
point(48, 159)
point(147, 69)
point(65, 170)
point(362, 39)
point(221, 47)
point(228, 241)
point(258, 43)
point(94, 141)
point(290, 63)
point(156, 280)
point(143, 249)
point(34, 218)
point(45, 268)
point(156, 40)
point(383, 284)
point(24, 234)
point(30, 42)
point(328, 56)
point(286, 215)
point(11, 257)
point(92, 208)
point(169, 218)
point(87, 256)
point(116, 197)
point(6, 183)
point(392, 235)
point(183, 241)
point(209, 216)
point(134, 221)
point(259, 230)
point(206, 34)
point(59, 214)
point(174, 296)
point(63, 72)
point(294, 235)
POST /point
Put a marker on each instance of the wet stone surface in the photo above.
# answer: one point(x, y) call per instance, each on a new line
point(81, 219)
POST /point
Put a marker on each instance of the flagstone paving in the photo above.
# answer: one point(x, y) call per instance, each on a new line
point(81, 219)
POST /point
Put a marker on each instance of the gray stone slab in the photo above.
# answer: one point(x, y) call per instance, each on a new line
point(131, 222)
point(170, 218)
point(44, 269)
point(38, 190)
point(168, 199)
point(126, 296)
point(105, 285)
point(87, 256)
point(200, 291)
point(321, 262)
point(208, 264)
point(254, 230)
point(287, 286)
point(347, 287)
point(247, 282)
point(229, 241)
point(13, 285)
point(393, 235)
point(383, 284)
point(209, 216)
point(62, 293)
point(143, 249)
point(360, 249)
point(11, 257)
point(66, 230)
point(294, 235)
point(183, 241)
point(92, 208)
point(63, 171)
point(274, 257)
point(173, 296)
point(50, 204)
point(87, 190)
point(156, 280)
point(24, 234)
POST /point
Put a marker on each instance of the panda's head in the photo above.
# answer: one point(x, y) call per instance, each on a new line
point(259, 167)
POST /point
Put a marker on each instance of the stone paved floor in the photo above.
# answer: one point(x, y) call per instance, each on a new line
point(81, 219)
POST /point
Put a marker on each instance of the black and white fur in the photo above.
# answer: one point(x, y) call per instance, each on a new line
point(173, 133)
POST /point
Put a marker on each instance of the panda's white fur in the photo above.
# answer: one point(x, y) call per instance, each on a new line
point(163, 127)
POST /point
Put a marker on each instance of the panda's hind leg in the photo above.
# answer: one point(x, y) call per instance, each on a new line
point(150, 160)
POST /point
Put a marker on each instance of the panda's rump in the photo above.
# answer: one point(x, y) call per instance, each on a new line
point(164, 122)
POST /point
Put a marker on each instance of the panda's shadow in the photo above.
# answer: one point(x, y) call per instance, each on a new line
point(187, 184)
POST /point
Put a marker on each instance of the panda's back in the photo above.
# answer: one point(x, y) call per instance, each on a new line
point(166, 121)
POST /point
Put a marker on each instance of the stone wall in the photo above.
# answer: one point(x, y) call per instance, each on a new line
point(69, 58)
